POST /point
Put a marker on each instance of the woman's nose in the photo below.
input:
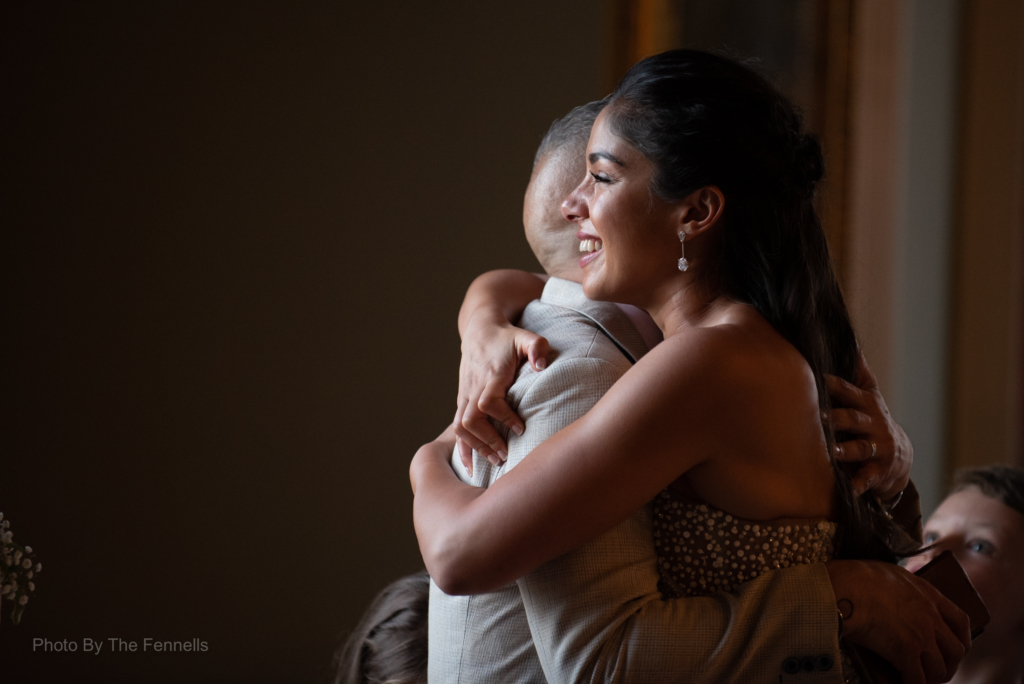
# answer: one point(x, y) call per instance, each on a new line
point(574, 207)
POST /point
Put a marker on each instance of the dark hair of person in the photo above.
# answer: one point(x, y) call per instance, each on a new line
point(1002, 483)
point(704, 119)
point(389, 645)
point(572, 129)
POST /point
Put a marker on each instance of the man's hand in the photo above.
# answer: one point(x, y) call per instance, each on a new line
point(492, 350)
point(879, 443)
point(902, 618)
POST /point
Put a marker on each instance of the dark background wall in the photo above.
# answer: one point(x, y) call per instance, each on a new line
point(235, 239)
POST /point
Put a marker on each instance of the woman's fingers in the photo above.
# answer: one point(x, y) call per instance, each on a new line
point(493, 403)
point(463, 434)
point(481, 435)
point(465, 455)
point(533, 347)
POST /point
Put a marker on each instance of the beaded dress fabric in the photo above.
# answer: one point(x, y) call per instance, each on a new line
point(702, 549)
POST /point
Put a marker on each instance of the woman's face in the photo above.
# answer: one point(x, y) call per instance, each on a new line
point(987, 537)
point(628, 243)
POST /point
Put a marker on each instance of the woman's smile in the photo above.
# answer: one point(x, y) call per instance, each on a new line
point(590, 245)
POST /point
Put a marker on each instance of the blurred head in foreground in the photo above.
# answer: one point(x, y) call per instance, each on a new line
point(982, 523)
point(389, 645)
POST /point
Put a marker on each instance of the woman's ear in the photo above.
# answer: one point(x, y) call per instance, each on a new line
point(700, 210)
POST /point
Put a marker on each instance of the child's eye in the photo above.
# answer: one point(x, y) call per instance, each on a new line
point(930, 537)
point(980, 546)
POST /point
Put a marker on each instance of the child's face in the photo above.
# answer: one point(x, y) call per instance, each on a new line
point(987, 537)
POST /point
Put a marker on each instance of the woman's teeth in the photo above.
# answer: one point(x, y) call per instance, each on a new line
point(590, 245)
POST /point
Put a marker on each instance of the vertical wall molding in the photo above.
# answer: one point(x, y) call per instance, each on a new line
point(986, 411)
point(876, 113)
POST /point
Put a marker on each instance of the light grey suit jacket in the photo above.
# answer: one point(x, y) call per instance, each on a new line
point(595, 613)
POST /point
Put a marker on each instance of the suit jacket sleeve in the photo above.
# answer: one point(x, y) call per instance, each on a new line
point(596, 615)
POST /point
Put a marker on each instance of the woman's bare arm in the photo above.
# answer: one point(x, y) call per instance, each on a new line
point(501, 294)
point(493, 303)
point(574, 486)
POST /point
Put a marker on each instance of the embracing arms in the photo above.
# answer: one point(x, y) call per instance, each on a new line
point(493, 348)
point(578, 477)
point(850, 580)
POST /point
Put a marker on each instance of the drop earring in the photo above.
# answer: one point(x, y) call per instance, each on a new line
point(683, 263)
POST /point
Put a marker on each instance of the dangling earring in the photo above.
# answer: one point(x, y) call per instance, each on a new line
point(683, 263)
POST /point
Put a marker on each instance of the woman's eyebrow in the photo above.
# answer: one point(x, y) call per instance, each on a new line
point(594, 156)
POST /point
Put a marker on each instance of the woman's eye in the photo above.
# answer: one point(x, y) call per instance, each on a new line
point(600, 178)
point(930, 537)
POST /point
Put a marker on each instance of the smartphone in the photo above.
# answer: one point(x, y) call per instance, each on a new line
point(945, 573)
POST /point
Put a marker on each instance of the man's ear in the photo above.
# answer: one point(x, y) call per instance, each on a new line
point(700, 211)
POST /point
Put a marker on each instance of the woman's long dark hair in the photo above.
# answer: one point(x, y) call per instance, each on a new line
point(704, 119)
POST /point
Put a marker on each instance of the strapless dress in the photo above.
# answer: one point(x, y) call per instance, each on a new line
point(702, 550)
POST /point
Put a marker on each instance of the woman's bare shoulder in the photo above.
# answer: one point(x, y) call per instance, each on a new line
point(732, 363)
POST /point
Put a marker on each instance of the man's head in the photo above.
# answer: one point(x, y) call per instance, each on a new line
point(558, 168)
point(982, 523)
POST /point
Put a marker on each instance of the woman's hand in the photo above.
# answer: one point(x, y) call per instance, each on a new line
point(925, 637)
point(879, 443)
point(492, 349)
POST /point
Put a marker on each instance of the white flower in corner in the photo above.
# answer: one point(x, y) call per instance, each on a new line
point(15, 559)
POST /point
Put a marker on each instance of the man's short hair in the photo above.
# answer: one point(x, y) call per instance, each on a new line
point(1002, 483)
point(571, 129)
